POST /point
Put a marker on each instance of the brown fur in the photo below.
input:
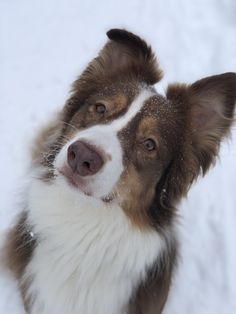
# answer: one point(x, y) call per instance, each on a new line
point(43, 139)
point(125, 55)
point(188, 126)
point(19, 246)
point(206, 123)
point(136, 188)
point(133, 200)
point(151, 295)
point(19, 249)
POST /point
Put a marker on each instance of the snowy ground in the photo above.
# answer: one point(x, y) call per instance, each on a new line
point(44, 45)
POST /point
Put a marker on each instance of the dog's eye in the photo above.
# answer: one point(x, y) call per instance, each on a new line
point(149, 144)
point(100, 108)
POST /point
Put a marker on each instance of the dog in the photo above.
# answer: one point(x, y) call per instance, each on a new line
point(97, 232)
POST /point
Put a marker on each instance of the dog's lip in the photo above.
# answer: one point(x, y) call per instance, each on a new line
point(75, 183)
point(79, 184)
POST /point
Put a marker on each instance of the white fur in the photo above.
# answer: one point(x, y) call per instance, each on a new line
point(89, 258)
point(105, 137)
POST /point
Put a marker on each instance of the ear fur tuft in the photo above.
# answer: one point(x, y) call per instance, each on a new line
point(207, 107)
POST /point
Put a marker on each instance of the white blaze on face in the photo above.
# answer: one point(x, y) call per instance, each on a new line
point(105, 137)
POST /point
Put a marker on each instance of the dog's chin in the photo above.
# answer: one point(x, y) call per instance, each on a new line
point(80, 186)
point(77, 184)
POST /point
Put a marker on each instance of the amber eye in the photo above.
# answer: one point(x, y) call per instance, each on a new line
point(149, 144)
point(100, 108)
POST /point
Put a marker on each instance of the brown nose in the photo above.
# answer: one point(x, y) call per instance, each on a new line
point(83, 159)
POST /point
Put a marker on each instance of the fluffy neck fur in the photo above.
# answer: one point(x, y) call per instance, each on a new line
point(89, 258)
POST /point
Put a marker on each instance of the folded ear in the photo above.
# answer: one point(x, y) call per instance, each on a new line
point(124, 56)
point(209, 106)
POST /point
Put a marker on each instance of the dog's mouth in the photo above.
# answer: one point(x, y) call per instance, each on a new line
point(77, 183)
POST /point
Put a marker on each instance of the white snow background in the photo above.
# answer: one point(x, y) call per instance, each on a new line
point(45, 44)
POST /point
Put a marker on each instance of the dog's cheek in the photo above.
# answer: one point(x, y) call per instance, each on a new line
point(135, 196)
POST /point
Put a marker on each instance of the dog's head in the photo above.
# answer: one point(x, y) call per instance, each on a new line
point(120, 141)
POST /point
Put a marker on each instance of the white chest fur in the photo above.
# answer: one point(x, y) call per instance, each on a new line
point(89, 258)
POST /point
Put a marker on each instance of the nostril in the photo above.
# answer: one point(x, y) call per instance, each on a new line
point(72, 155)
point(72, 158)
point(86, 165)
point(83, 159)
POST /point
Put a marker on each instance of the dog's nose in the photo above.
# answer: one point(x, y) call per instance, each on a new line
point(84, 159)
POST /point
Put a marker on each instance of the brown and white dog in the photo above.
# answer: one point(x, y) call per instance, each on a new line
point(97, 233)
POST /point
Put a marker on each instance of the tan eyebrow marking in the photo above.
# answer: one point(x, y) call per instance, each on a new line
point(134, 108)
point(148, 125)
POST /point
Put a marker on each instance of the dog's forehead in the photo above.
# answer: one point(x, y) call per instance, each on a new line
point(128, 93)
point(147, 107)
point(128, 103)
point(115, 91)
point(154, 107)
point(150, 115)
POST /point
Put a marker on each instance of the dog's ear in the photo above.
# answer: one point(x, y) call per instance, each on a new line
point(209, 106)
point(206, 112)
point(125, 56)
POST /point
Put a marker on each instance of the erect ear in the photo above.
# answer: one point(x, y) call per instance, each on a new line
point(209, 105)
point(124, 56)
point(206, 112)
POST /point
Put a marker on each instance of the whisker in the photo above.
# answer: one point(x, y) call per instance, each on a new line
point(69, 124)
